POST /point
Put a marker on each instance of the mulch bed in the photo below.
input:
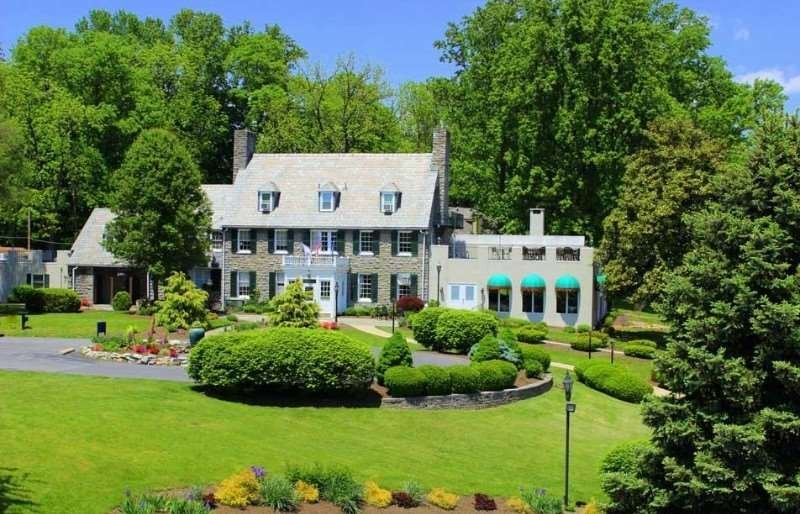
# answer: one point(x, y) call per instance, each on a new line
point(464, 506)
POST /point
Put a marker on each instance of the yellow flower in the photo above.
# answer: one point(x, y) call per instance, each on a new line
point(238, 490)
point(442, 499)
point(308, 492)
point(376, 496)
point(518, 505)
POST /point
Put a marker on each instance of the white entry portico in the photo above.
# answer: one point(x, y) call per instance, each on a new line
point(322, 275)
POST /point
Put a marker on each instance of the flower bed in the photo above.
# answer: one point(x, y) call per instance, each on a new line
point(174, 355)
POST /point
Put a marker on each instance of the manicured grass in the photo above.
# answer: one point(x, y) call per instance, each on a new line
point(77, 324)
point(639, 367)
point(74, 444)
point(403, 330)
point(374, 340)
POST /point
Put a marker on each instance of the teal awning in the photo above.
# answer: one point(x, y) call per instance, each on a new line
point(499, 281)
point(601, 279)
point(567, 282)
point(532, 281)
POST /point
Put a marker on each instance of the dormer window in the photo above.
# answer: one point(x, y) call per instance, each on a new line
point(388, 202)
point(326, 201)
point(266, 201)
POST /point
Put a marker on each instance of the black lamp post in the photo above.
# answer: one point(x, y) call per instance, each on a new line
point(570, 409)
point(612, 350)
point(438, 278)
point(394, 303)
point(590, 342)
point(336, 302)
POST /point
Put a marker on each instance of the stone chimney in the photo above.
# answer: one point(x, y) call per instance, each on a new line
point(536, 221)
point(244, 146)
point(440, 164)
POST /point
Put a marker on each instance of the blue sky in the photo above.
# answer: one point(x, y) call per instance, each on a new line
point(756, 38)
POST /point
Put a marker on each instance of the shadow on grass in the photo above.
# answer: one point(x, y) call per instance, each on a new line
point(13, 492)
point(368, 399)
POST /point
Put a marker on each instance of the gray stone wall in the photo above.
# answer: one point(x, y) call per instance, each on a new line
point(440, 163)
point(244, 146)
point(84, 283)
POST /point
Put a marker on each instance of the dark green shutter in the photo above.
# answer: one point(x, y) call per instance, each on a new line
point(290, 241)
point(395, 237)
point(393, 287)
point(29, 279)
point(414, 284)
point(234, 290)
point(376, 242)
point(414, 243)
point(307, 238)
point(356, 242)
point(374, 284)
point(234, 240)
point(353, 287)
point(253, 240)
point(340, 242)
point(270, 241)
point(272, 284)
point(47, 281)
point(252, 281)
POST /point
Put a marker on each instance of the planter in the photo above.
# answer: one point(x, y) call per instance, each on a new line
point(195, 335)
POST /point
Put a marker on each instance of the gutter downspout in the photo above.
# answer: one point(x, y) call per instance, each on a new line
point(424, 263)
point(222, 274)
point(74, 268)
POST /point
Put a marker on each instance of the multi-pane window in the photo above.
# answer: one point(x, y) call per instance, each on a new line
point(567, 301)
point(364, 287)
point(216, 240)
point(388, 202)
point(281, 240)
point(245, 245)
point(266, 201)
point(533, 300)
point(365, 241)
point(325, 290)
point(323, 241)
point(38, 280)
point(243, 284)
point(403, 284)
point(500, 300)
point(326, 200)
point(405, 242)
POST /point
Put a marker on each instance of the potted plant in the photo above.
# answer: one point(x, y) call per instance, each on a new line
point(196, 333)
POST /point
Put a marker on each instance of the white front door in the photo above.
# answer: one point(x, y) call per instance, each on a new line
point(462, 296)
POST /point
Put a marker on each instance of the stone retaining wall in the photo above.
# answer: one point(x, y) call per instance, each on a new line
point(472, 401)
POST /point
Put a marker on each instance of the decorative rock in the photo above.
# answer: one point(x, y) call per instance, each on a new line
point(65, 351)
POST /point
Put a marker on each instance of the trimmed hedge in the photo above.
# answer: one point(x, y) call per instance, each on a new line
point(457, 330)
point(643, 342)
point(599, 340)
point(121, 301)
point(539, 355)
point(494, 348)
point(405, 381)
point(640, 351)
point(395, 352)
point(46, 299)
point(28, 295)
point(533, 368)
point(464, 379)
point(282, 359)
point(495, 375)
point(423, 323)
point(612, 380)
point(437, 380)
point(531, 334)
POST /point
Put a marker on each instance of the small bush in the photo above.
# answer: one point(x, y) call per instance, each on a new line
point(625, 457)
point(292, 308)
point(495, 375)
point(442, 499)
point(415, 490)
point(279, 493)
point(404, 381)
point(110, 343)
point(464, 379)
point(409, 304)
point(335, 485)
point(640, 351)
point(530, 353)
point(599, 340)
point(583, 328)
point(395, 352)
point(183, 303)
point(644, 342)
point(46, 299)
point(29, 296)
point(404, 500)
point(533, 368)
point(540, 502)
point(437, 380)
point(513, 322)
point(532, 335)
point(495, 348)
point(518, 505)
point(307, 492)
point(423, 324)
point(358, 310)
point(458, 330)
point(484, 502)
point(232, 317)
point(569, 329)
point(239, 490)
point(121, 301)
point(247, 325)
point(376, 496)
point(612, 380)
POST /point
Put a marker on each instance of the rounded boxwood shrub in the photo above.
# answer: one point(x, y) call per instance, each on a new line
point(463, 379)
point(437, 380)
point(537, 354)
point(640, 351)
point(531, 334)
point(395, 352)
point(533, 368)
point(28, 295)
point(299, 360)
point(405, 381)
point(495, 375)
point(121, 301)
point(599, 340)
point(625, 457)
point(423, 324)
point(60, 300)
point(583, 328)
point(457, 330)
point(486, 349)
point(612, 380)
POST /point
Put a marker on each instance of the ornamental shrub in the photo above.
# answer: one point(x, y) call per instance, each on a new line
point(533, 368)
point(644, 342)
point(121, 301)
point(457, 330)
point(540, 502)
point(293, 308)
point(239, 490)
point(625, 457)
point(484, 502)
point(423, 324)
point(415, 490)
point(529, 353)
point(395, 352)
point(583, 328)
point(494, 348)
point(376, 496)
point(531, 334)
point(60, 300)
point(409, 304)
point(599, 340)
point(442, 499)
point(278, 493)
point(404, 381)
point(569, 329)
point(183, 303)
point(299, 360)
point(495, 375)
point(612, 380)
point(307, 492)
point(335, 484)
point(463, 379)
point(28, 295)
point(640, 351)
point(437, 380)
point(518, 505)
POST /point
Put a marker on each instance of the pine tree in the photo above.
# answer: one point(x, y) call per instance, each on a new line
point(294, 307)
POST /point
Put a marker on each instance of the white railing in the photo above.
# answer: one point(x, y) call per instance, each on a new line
point(303, 261)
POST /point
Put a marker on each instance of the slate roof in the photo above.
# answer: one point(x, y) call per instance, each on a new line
point(87, 249)
point(359, 179)
point(217, 194)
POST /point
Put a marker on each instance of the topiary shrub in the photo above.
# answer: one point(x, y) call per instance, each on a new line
point(403, 381)
point(423, 324)
point(395, 352)
point(121, 301)
point(60, 300)
point(437, 380)
point(599, 340)
point(495, 375)
point(536, 354)
point(640, 351)
point(463, 379)
point(458, 330)
point(531, 334)
point(309, 361)
point(612, 380)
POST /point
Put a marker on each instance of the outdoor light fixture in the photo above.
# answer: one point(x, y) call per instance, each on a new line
point(570, 408)
point(438, 287)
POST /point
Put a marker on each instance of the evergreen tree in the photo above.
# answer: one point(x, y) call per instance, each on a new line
point(294, 307)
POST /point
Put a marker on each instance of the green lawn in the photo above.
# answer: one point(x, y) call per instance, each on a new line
point(373, 340)
point(73, 444)
point(639, 367)
point(77, 324)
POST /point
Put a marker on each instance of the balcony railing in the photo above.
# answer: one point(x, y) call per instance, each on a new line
point(460, 250)
point(533, 254)
point(568, 254)
point(500, 253)
point(321, 261)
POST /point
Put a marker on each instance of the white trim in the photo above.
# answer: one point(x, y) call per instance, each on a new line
point(271, 205)
point(333, 201)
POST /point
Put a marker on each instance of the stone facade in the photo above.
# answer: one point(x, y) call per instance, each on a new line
point(84, 283)
point(244, 146)
point(440, 163)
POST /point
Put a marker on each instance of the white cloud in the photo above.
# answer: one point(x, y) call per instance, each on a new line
point(741, 34)
point(791, 84)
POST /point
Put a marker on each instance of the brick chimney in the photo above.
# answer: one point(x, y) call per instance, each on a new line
point(440, 164)
point(244, 146)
